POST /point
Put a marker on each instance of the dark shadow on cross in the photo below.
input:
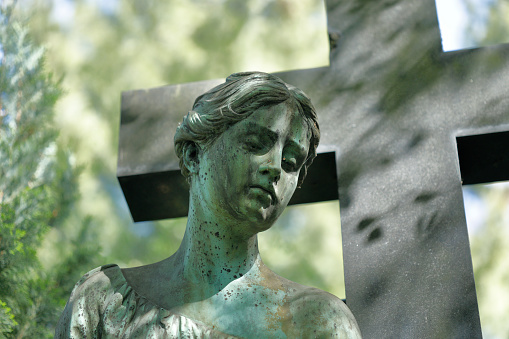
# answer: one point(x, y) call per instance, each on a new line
point(391, 104)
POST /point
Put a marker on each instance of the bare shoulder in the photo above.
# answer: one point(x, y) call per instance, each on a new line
point(88, 299)
point(318, 314)
point(313, 313)
point(96, 281)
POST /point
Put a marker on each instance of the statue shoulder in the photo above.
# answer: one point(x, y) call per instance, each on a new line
point(319, 313)
point(87, 301)
point(96, 282)
point(313, 313)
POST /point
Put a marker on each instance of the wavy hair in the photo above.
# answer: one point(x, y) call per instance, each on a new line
point(234, 100)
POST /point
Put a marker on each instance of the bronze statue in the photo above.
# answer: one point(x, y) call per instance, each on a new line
point(244, 149)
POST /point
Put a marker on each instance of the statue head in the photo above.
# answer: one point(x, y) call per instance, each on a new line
point(236, 99)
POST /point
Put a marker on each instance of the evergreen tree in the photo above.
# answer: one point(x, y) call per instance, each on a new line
point(37, 188)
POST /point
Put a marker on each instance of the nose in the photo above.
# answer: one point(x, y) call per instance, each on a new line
point(271, 165)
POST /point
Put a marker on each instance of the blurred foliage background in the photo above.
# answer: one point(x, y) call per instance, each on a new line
point(62, 210)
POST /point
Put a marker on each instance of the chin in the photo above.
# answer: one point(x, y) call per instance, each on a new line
point(268, 217)
point(265, 222)
point(259, 219)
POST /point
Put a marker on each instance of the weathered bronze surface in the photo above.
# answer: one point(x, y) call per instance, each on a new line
point(244, 148)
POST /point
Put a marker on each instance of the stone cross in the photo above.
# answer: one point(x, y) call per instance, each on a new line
point(396, 111)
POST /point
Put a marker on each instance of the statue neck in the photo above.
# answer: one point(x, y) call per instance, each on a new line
point(213, 252)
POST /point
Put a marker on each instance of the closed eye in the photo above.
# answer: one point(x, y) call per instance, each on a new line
point(253, 144)
point(294, 157)
point(256, 138)
point(290, 164)
point(257, 142)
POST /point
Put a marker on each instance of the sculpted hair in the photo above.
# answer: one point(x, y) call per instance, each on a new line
point(236, 99)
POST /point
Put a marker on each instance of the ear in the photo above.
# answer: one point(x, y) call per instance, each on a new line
point(191, 157)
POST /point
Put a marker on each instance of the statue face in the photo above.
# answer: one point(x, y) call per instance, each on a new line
point(251, 171)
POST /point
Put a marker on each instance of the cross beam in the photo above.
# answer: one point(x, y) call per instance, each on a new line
point(391, 104)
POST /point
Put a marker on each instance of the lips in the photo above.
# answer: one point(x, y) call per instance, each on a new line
point(269, 190)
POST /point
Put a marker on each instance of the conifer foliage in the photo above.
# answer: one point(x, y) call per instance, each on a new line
point(37, 186)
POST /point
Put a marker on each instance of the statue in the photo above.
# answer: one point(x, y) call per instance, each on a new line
point(244, 148)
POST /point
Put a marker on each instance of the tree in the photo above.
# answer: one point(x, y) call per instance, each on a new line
point(37, 186)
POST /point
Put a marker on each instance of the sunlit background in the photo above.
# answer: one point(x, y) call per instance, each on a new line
point(100, 48)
